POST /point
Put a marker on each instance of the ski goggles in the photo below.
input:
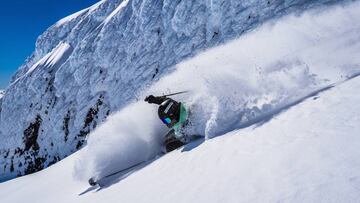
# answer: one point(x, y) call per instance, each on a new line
point(166, 121)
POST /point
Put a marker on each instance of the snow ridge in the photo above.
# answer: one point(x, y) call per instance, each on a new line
point(96, 61)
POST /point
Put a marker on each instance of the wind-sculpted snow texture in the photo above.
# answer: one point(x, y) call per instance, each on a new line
point(2, 93)
point(94, 62)
point(244, 82)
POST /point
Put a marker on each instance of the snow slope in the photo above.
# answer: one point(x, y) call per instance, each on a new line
point(294, 137)
point(236, 85)
point(105, 55)
point(307, 153)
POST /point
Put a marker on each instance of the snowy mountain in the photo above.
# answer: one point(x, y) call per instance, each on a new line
point(98, 60)
point(282, 112)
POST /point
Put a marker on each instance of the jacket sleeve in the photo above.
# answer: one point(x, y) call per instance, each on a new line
point(155, 100)
point(159, 100)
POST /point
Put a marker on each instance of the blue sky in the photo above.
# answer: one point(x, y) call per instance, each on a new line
point(22, 21)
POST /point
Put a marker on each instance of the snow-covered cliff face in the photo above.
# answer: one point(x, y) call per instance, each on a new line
point(2, 93)
point(95, 61)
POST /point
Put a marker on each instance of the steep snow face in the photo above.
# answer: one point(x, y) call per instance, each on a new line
point(308, 153)
point(245, 82)
point(94, 62)
point(2, 93)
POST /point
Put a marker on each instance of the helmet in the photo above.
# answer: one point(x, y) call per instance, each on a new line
point(169, 112)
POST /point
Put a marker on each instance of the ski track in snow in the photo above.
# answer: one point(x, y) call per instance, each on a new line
point(242, 83)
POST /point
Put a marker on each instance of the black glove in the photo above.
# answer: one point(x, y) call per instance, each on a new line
point(150, 99)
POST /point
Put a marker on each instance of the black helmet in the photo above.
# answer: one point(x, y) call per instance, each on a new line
point(169, 112)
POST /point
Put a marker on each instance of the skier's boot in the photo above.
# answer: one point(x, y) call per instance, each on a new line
point(172, 142)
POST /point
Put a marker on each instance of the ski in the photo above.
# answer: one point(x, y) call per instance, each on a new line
point(128, 170)
point(94, 182)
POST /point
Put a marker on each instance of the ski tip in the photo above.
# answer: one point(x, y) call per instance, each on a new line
point(92, 182)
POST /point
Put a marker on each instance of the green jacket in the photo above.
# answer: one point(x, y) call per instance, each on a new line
point(180, 124)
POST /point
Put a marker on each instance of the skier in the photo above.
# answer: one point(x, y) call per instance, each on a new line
point(173, 114)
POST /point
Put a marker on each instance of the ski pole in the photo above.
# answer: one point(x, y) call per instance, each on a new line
point(172, 94)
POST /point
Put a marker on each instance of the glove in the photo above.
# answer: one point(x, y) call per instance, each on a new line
point(150, 99)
